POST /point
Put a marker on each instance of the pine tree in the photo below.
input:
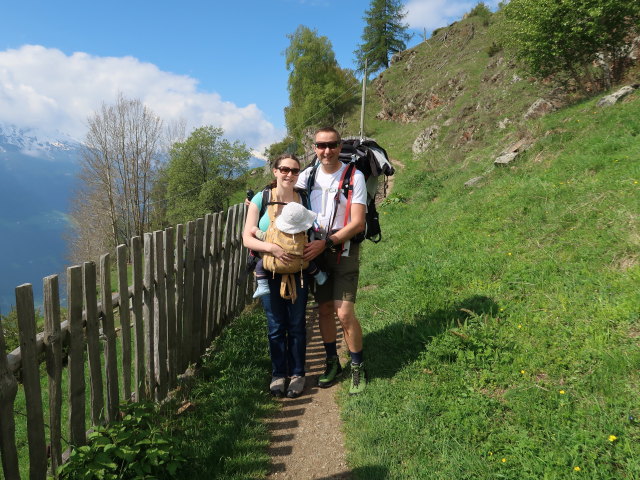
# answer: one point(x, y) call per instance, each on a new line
point(384, 35)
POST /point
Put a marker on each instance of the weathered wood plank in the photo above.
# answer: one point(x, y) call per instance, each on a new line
point(206, 254)
point(213, 277)
point(160, 318)
point(77, 399)
point(108, 329)
point(53, 348)
point(31, 382)
point(221, 272)
point(138, 318)
point(148, 314)
point(187, 318)
point(179, 297)
point(93, 342)
point(125, 319)
point(233, 288)
point(226, 266)
point(197, 291)
point(8, 391)
point(169, 268)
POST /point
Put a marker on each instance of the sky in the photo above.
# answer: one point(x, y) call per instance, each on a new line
point(201, 62)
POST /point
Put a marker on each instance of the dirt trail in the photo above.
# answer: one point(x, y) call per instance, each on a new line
point(306, 434)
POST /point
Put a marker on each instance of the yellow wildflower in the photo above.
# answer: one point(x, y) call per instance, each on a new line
point(522, 372)
point(519, 326)
point(577, 469)
point(503, 460)
point(561, 392)
point(612, 438)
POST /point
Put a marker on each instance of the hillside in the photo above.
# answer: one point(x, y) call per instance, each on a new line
point(511, 306)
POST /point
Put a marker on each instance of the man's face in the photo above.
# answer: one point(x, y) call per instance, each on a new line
point(327, 155)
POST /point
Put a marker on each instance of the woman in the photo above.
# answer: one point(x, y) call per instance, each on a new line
point(285, 320)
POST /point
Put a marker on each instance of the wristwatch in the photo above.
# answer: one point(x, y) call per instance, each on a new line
point(329, 244)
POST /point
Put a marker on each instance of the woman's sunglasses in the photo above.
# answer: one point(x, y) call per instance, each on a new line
point(286, 170)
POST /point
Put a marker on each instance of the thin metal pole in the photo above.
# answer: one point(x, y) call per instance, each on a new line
point(364, 94)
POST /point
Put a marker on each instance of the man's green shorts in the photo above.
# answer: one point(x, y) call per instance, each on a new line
point(342, 283)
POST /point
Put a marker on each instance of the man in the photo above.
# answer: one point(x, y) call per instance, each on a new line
point(336, 254)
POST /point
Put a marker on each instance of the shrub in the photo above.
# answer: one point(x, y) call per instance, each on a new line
point(137, 447)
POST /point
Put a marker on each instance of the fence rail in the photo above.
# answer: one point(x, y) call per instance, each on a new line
point(183, 291)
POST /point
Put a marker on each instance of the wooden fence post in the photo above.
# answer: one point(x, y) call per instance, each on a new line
point(108, 330)
point(138, 288)
point(197, 291)
point(169, 268)
point(8, 391)
point(213, 278)
point(77, 398)
point(93, 342)
point(187, 318)
point(31, 382)
point(179, 297)
point(148, 314)
point(125, 319)
point(206, 257)
point(53, 348)
point(160, 318)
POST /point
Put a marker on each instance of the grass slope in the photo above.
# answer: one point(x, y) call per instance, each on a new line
point(501, 322)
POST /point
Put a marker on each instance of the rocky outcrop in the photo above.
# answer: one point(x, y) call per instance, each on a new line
point(424, 140)
point(511, 153)
point(614, 98)
point(539, 109)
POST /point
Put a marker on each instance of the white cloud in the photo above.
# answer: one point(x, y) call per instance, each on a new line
point(46, 89)
point(432, 14)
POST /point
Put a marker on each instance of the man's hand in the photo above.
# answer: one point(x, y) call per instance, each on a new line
point(313, 249)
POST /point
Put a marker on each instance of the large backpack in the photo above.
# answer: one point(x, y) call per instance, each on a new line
point(372, 160)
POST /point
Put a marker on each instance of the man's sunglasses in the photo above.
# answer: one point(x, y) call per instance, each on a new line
point(323, 145)
point(292, 171)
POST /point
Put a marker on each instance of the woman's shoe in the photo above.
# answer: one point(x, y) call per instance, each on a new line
point(276, 387)
point(296, 386)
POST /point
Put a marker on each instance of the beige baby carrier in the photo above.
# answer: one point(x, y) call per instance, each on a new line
point(282, 233)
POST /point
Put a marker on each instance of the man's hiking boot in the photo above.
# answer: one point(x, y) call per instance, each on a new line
point(358, 379)
point(331, 373)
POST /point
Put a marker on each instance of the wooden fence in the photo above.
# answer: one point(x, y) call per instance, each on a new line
point(183, 292)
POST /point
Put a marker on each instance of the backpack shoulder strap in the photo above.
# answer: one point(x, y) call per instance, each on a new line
point(311, 179)
point(266, 196)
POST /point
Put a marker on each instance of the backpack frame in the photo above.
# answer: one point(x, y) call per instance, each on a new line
point(372, 160)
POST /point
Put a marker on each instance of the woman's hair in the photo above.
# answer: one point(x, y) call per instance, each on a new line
point(276, 163)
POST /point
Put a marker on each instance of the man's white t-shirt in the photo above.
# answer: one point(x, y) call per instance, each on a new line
point(325, 188)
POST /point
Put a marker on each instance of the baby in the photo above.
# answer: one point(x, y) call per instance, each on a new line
point(293, 219)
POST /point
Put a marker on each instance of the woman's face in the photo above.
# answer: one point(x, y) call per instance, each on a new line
point(289, 176)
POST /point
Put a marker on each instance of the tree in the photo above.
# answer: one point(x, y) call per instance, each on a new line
point(120, 153)
point(384, 34)
point(319, 90)
point(202, 173)
point(566, 37)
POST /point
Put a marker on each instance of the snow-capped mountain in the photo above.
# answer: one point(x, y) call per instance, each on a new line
point(37, 178)
point(53, 145)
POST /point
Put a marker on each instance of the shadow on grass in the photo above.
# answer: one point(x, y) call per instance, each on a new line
point(400, 343)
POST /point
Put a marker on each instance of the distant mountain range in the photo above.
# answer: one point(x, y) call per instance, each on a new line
point(37, 178)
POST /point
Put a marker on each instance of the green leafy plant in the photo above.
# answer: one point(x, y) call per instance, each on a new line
point(137, 447)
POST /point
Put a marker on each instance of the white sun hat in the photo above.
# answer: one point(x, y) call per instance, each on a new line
point(295, 218)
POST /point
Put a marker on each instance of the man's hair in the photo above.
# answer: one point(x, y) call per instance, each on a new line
point(328, 130)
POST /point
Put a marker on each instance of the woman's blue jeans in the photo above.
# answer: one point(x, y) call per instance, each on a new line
point(286, 325)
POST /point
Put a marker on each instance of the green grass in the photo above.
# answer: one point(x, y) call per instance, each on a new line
point(512, 311)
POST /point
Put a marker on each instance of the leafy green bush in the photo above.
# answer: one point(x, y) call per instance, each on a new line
point(137, 447)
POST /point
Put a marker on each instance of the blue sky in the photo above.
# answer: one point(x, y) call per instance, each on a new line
point(206, 62)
